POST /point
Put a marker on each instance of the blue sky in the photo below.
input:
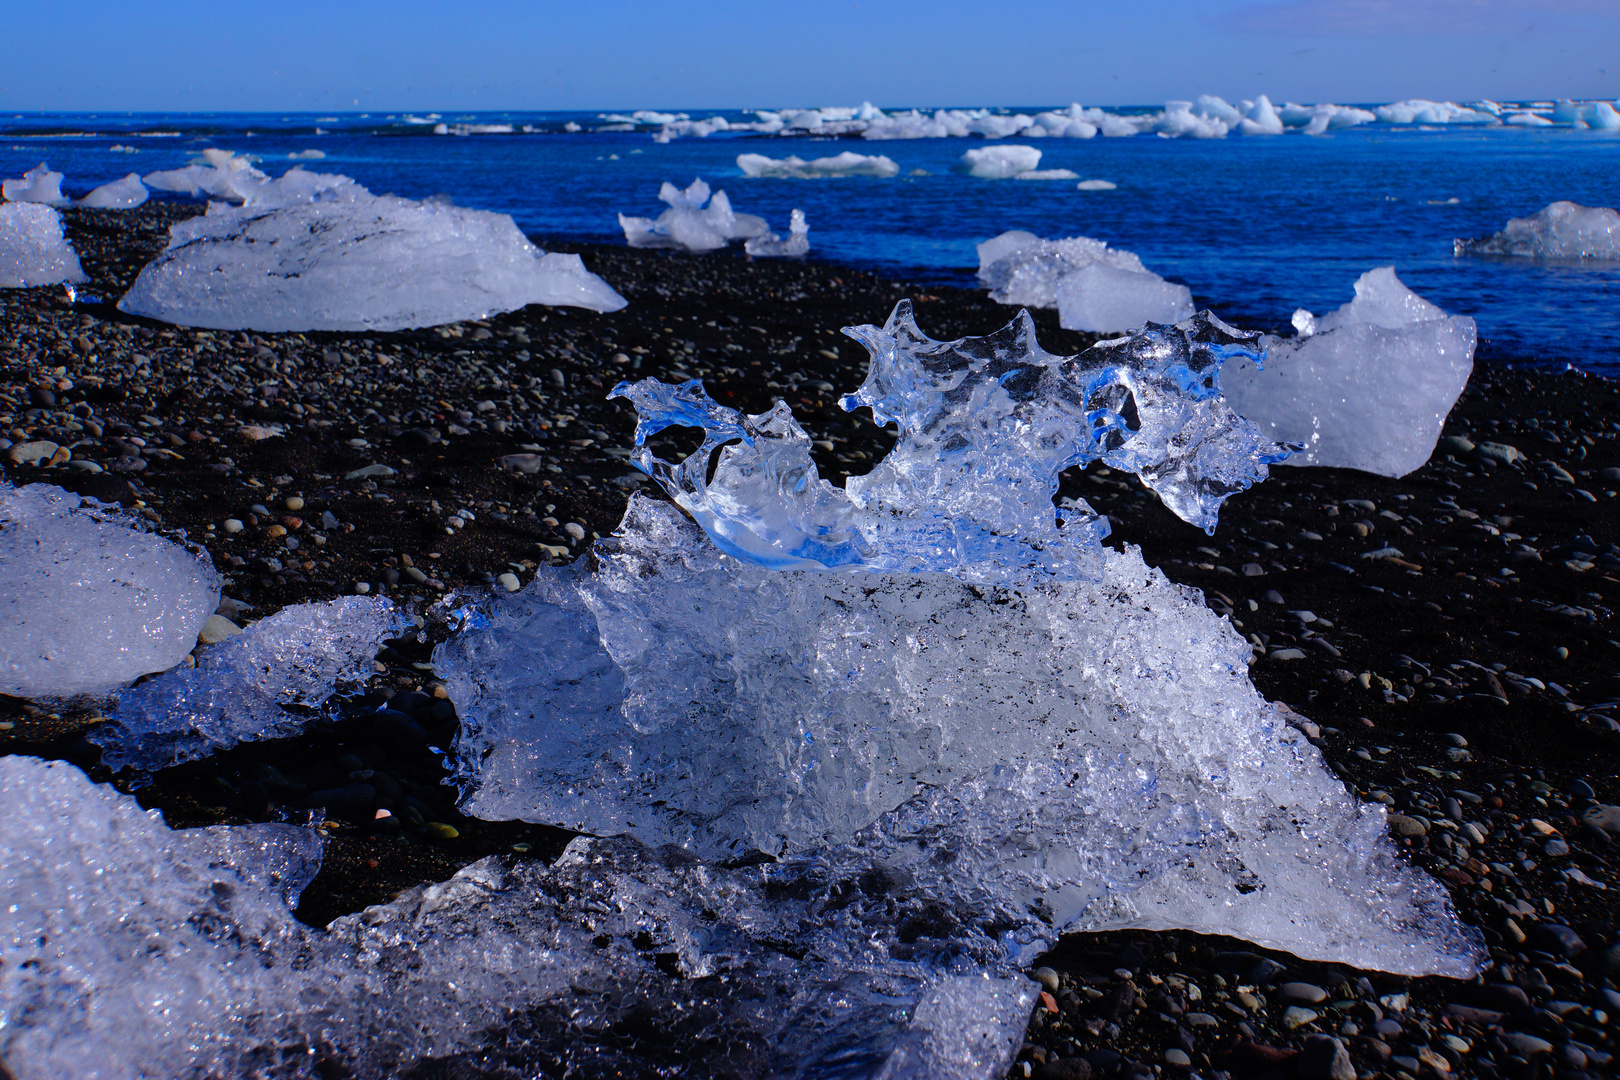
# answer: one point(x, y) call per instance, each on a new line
point(619, 54)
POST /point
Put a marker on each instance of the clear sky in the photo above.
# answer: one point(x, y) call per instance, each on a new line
point(622, 54)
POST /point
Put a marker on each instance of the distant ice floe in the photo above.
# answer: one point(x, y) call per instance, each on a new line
point(33, 248)
point(1096, 185)
point(89, 601)
point(313, 251)
point(770, 245)
point(1563, 230)
point(847, 163)
point(1094, 287)
point(695, 222)
point(125, 194)
point(38, 185)
point(1365, 387)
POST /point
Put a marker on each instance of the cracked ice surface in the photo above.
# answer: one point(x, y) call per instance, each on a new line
point(1365, 387)
point(1562, 230)
point(312, 251)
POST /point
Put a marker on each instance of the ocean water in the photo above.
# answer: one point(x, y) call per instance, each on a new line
point(1255, 226)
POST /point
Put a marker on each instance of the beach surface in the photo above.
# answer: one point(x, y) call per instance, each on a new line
point(1446, 638)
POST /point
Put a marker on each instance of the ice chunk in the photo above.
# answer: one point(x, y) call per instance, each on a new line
point(91, 602)
point(261, 684)
point(317, 252)
point(1365, 387)
point(1214, 108)
point(38, 185)
point(33, 248)
point(796, 244)
point(1048, 174)
point(122, 194)
point(1563, 230)
point(847, 163)
point(689, 224)
point(1000, 162)
point(1419, 111)
point(1261, 119)
point(214, 172)
point(1093, 286)
point(1096, 185)
point(1179, 121)
point(986, 426)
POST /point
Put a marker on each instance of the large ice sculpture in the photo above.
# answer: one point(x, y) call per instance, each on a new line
point(261, 684)
point(124, 194)
point(847, 163)
point(1094, 287)
point(1563, 230)
point(38, 185)
point(128, 949)
point(317, 252)
point(33, 248)
point(1366, 387)
point(772, 246)
point(693, 222)
point(89, 601)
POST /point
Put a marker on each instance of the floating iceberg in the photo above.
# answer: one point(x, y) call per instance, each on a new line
point(694, 221)
point(1419, 111)
point(33, 248)
point(122, 194)
point(1366, 387)
point(1563, 230)
point(847, 163)
point(38, 185)
point(1093, 286)
point(214, 172)
point(771, 246)
point(90, 602)
point(260, 684)
point(1001, 162)
point(317, 252)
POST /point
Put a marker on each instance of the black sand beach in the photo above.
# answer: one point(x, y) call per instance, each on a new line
point(1447, 638)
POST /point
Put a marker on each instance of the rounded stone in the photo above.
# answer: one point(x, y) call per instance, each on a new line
point(294, 503)
point(440, 831)
point(1047, 978)
point(234, 525)
point(1177, 1057)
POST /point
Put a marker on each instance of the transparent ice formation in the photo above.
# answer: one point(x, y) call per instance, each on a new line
point(1094, 287)
point(694, 222)
point(772, 246)
point(122, 194)
point(312, 251)
point(261, 684)
point(1563, 230)
point(1365, 387)
point(1000, 162)
point(33, 248)
point(38, 185)
point(129, 950)
point(847, 163)
point(89, 601)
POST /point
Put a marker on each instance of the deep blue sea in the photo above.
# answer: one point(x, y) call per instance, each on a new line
point(1255, 226)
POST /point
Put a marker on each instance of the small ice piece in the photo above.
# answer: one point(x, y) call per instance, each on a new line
point(38, 185)
point(1096, 185)
point(694, 222)
point(847, 163)
point(1365, 387)
point(33, 248)
point(214, 172)
point(1048, 174)
point(312, 251)
point(122, 194)
point(1563, 230)
point(261, 684)
point(772, 246)
point(307, 155)
point(1000, 162)
point(89, 601)
point(1094, 287)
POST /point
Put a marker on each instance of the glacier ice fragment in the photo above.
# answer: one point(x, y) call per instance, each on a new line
point(312, 251)
point(847, 163)
point(772, 246)
point(694, 221)
point(1562, 230)
point(1365, 387)
point(1093, 286)
point(33, 248)
point(122, 194)
point(261, 684)
point(38, 185)
point(214, 172)
point(1000, 162)
point(90, 602)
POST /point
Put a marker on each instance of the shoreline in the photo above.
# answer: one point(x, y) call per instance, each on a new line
point(1496, 564)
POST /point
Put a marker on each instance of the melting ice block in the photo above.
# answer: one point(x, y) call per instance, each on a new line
point(694, 222)
point(261, 684)
point(1366, 387)
point(33, 248)
point(38, 185)
point(1093, 286)
point(317, 252)
point(90, 602)
point(847, 163)
point(1001, 162)
point(1563, 230)
point(122, 194)
point(772, 246)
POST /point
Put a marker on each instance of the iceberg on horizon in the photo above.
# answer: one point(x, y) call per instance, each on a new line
point(315, 251)
point(1562, 230)
point(1365, 387)
point(33, 248)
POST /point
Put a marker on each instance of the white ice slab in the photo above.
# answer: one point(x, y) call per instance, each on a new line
point(124, 194)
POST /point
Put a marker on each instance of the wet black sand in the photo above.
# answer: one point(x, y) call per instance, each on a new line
point(1472, 680)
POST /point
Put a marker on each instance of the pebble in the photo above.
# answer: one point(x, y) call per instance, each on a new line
point(34, 453)
point(1301, 993)
point(1528, 1045)
point(369, 472)
point(1047, 978)
point(575, 530)
point(440, 831)
point(294, 503)
point(1177, 1058)
point(234, 525)
point(1296, 1016)
point(509, 581)
point(1602, 818)
point(216, 628)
